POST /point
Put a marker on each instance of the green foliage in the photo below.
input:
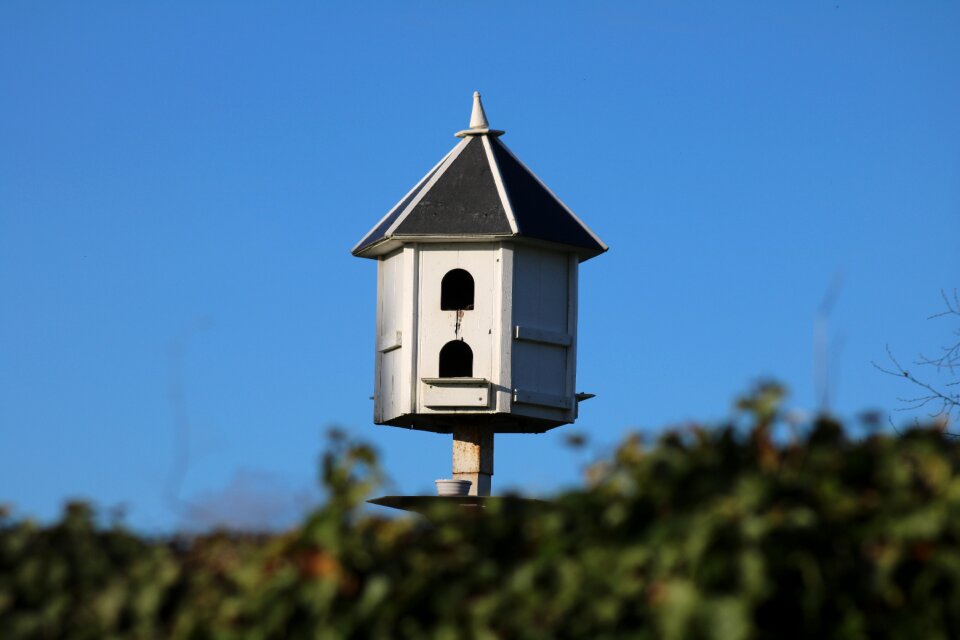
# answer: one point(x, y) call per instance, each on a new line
point(720, 533)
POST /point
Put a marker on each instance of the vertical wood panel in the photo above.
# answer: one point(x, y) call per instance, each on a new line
point(378, 357)
point(573, 281)
point(391, 374)
point(503, 342)
point(409, 294)
point(541, 299)
point(477, 326)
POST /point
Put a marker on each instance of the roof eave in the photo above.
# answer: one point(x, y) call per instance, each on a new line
point(386, 245)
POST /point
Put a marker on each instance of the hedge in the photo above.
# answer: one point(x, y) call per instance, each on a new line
point(753, 529)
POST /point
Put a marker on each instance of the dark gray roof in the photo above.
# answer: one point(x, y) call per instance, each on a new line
point(480, 190)
point(462, 201)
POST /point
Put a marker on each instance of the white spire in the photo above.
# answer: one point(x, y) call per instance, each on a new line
point(478, 121)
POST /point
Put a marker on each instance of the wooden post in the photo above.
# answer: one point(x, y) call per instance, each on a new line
point(473, 457)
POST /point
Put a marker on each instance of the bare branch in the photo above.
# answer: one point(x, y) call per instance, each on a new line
point(940, 398)
point(949, 403)
point(953, 308)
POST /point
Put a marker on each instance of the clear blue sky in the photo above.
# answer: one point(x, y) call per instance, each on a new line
point(180, 185)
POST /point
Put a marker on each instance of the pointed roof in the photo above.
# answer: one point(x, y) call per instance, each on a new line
point(480, 190)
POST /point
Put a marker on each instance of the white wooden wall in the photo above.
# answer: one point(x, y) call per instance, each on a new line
point(544, 332)
point(396, 334)
point(522, 331)
point(477, 327)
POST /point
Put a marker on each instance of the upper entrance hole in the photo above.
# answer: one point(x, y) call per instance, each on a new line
point(456, 291)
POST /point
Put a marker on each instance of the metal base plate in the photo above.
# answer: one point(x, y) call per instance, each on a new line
point(424, 504)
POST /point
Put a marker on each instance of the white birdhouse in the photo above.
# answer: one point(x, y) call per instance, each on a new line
point(477, 295)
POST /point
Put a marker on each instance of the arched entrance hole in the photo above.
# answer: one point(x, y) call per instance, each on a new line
point(456, 291)
point(456, 360)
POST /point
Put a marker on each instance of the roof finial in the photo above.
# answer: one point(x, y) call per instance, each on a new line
point(478, 121)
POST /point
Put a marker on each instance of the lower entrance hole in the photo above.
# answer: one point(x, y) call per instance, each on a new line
point(456, 360)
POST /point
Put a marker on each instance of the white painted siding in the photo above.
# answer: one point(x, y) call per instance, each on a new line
point(476, 327)
point(389, 332)
point(542, 293)
point(503, 344)
point(411, 268)
point(396, 334)
point(521, 331)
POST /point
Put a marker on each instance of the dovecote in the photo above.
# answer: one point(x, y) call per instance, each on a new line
point(477, 295)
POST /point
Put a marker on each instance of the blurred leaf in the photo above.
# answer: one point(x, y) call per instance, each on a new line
point(706, 533)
